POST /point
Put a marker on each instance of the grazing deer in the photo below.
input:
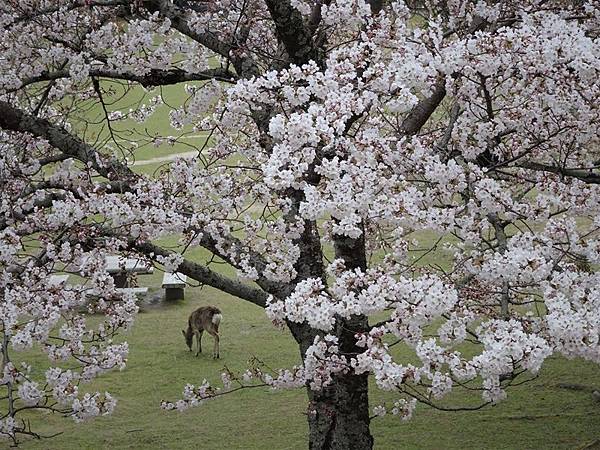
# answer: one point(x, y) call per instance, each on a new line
point(205, 318)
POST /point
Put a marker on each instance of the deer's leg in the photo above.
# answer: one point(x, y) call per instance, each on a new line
point(215, 335)
point(199, 339)
point(216, 349)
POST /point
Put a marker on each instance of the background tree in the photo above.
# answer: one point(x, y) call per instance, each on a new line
point(336, 130)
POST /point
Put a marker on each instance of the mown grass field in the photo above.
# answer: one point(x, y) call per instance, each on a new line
point(538, 415)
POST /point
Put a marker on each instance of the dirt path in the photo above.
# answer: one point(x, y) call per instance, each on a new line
point(159, 159)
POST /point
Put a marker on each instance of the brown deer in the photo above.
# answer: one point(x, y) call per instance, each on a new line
point(205, 318)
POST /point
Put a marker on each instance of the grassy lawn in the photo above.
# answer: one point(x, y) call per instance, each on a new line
point(538, 415)
point(128, 137)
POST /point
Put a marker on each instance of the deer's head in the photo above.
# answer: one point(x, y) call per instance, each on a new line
point(188, 338)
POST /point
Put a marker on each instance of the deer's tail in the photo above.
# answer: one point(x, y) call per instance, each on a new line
point(216, 319)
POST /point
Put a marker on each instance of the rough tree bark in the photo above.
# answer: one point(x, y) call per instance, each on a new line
point(338, 416)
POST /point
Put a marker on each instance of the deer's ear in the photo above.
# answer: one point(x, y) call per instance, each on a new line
point(183, 332)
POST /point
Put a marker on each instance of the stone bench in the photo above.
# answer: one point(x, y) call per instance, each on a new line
point(174, 285)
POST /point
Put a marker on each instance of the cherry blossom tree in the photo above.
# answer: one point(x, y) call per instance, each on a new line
point(338, 131)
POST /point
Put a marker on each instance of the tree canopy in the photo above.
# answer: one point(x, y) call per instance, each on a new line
point(377, 173)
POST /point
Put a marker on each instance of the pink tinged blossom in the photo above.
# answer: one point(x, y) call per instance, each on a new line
point(379, 411)
point(404, 408)
point(93, 405)
point(30, 393)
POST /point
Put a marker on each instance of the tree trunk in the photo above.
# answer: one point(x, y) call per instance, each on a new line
point(338, 416)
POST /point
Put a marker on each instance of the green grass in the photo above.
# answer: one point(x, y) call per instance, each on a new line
point(535, 416)
point(130, 136)
point(159, 367)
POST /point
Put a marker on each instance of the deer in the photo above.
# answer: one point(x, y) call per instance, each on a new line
point(205, 318)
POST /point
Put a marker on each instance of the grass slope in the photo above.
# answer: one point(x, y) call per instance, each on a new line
point(538, 415)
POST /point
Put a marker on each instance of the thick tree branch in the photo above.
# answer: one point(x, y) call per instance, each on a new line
point(293, 34)
point(156, 77)
point(419, 115)
point(13, 119)
point(256, 260)
point(207, 276)
point(244, 66)
point(585, 175)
